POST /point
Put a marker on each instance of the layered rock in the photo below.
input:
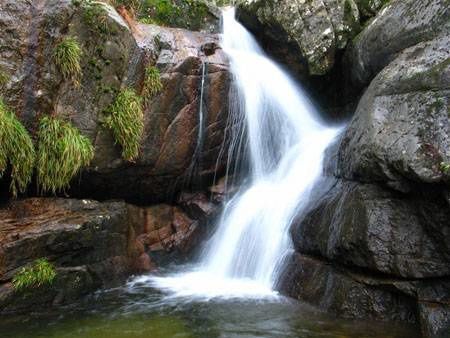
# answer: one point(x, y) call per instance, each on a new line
point(376, 236)
point(92, 245)
point(116, 53)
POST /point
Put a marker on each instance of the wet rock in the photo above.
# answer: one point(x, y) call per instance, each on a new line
point(366, 226)
point(332, 289)
point(315, 29)
point(92, 245)
point(401, 129)
point(116, 53)
point(399, 25)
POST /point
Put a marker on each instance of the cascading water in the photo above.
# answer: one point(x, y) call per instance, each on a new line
point(286, 143)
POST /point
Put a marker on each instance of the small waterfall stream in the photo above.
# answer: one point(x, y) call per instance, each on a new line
point(286, 141)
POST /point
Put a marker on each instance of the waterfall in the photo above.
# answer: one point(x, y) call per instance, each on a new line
point(286, 142)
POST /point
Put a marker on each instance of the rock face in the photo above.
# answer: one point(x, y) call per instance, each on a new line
point(116, 53)
point(374, 242)
point(316, 29)
point(400, 25)
point(91, 244)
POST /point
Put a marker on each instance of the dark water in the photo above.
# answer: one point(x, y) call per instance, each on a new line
point(142, 311)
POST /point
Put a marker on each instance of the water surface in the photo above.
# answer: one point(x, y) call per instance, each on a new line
point(140, 310)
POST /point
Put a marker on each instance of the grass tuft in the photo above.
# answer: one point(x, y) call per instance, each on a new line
point(62, 152)
point(41, 272)
point(126, 120)
point(4, 79)
point(152, 82)
point(445, 167)
point(16, 149)
point(67, 56)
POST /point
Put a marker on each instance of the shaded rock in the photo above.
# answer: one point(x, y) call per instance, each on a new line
point(116, 53)
point(92, 245)
point(334, 290)
point(366, 226)
point(401, 128)
point(399, 25)
point(316, 29)
point(369, 8)
point(435, 319)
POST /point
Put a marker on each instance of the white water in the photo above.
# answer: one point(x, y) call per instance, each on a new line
point(286, 141)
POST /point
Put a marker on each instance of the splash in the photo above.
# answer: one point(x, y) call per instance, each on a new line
point(286, 141)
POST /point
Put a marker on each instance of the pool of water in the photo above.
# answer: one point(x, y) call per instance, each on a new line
point(137, 309)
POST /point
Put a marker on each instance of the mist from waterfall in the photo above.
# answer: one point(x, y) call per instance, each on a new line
point(285, 141)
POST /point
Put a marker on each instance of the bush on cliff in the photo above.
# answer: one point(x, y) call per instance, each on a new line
point(62, 152)
point(126, 121)
point(67, 56)
point(152, 82)
point(16, 150)
point(40, 273)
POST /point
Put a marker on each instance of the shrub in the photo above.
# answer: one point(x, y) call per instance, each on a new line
point(133, 5)
point(161, 12)
point(62, 152)
point(445, 167)
point(16, 149)
point(126, 120)
point(67, 56)
point(41, 272)
point(190, 14)
point(94, 15)
point(152, 82)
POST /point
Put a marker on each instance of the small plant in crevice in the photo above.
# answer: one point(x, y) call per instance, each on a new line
point(126, 121)
point(67, 57)
point(4, 78)
point(94, 15)
point(16, 150)
point(445, 167)
point(152, 82)
point(40, 273)
point(62, 151)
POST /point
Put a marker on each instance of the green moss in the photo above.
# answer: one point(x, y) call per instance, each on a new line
point(16, 149)
point(152, 82)
point(40, 273)
point(67, 56)
point(62, 152)
point(126, 121)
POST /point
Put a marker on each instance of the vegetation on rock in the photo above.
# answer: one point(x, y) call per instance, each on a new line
point(16, 149)
point(132, 5)
point(4, 78)
point(126, 121)
point(67, 56)
point(152, 82)
point(94, 15)
point(62, 152)
point(445, 167)
point(40, 273)
point(179, 13)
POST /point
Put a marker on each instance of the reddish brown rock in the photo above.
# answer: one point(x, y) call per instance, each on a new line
point(110, 63)
point(91, 244)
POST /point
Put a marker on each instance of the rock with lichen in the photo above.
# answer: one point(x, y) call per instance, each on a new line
point(318, 29)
